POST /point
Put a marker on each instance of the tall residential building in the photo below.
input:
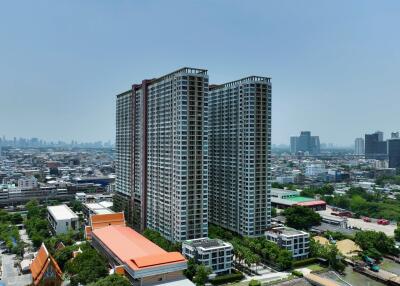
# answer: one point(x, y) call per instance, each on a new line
point(359, 146)
point(305, 143)
point(375, 147)
point(162, 160)
point(239, 155)
point(123, 198)
point(395, 135)
point(394, 153)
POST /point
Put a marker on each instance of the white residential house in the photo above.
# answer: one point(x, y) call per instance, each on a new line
point(214, 253)
point(296, 241)
point(62, 219)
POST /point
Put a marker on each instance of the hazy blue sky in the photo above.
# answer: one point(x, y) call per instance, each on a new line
point(335, 65)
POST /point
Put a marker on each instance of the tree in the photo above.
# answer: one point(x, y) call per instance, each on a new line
point(33, 209)
point(202, 273)
point(76, 206)
point(397, 233)
point(301, 217)
point(190, 272)
point(376, 242)
point(112, 280)
point(284, 260)
point(63, 255)
point(328, 252)
point(273, 212)
point(16, 218)
point(87, 267)
point(161, 241)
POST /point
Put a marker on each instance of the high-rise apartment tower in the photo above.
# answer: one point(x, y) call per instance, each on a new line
point(239, 155)
point(162, 154)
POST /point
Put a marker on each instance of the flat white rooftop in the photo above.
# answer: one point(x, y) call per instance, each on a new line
point(103, 211)
point(94, 206)
point(61, 212)
point(182, 282)
point(106, 204)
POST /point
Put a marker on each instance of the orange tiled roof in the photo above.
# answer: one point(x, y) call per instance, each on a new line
point(39, 265)
point(159, 259)
point(88, 232)
point(103, 220)
point(133, 249)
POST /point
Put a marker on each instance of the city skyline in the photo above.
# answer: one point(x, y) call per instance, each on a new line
point(322, 63)
point(195, 143)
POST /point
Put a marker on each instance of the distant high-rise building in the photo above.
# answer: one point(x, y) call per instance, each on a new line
point(162, 154)
point(293, 144)
point(375, 147)
point(394, 152)
point(395, 135)
point(239, 155)
point(380, 135)
point(359, 146)
point(305, 143)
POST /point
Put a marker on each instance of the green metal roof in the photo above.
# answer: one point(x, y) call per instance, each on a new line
point(300, 199)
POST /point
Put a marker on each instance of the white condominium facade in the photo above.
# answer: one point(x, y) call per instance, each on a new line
point(239, 155)
point(162, 154)
point(295, 241)
point(123, 142)
point(213, 253)
point(177, 165)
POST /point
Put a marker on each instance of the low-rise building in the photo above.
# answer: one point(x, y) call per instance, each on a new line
point(97, 208)
point(214, 253)
point(93, 198)
point(285, 198)
point(102, 220)
point(283, 194)
point(296, 241)
point(140, 260)
point(27, 183)
point(334, 220)
point(315, 169)
point(45, 270)
point(285, 179)
point(62, 219)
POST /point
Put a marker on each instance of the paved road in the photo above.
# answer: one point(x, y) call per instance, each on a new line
point(10, 273)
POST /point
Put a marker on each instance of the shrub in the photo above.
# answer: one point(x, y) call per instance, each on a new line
point(297, 273)
point(222, 279)
point(254, 283)
point(304, 262)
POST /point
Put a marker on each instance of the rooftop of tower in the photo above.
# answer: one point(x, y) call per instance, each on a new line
point(187, 70)
point(248, 79)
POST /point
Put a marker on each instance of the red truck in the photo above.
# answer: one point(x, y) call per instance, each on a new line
point(383, 221)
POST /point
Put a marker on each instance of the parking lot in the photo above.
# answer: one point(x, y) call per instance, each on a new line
point(10, 274)
point(359, 223)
